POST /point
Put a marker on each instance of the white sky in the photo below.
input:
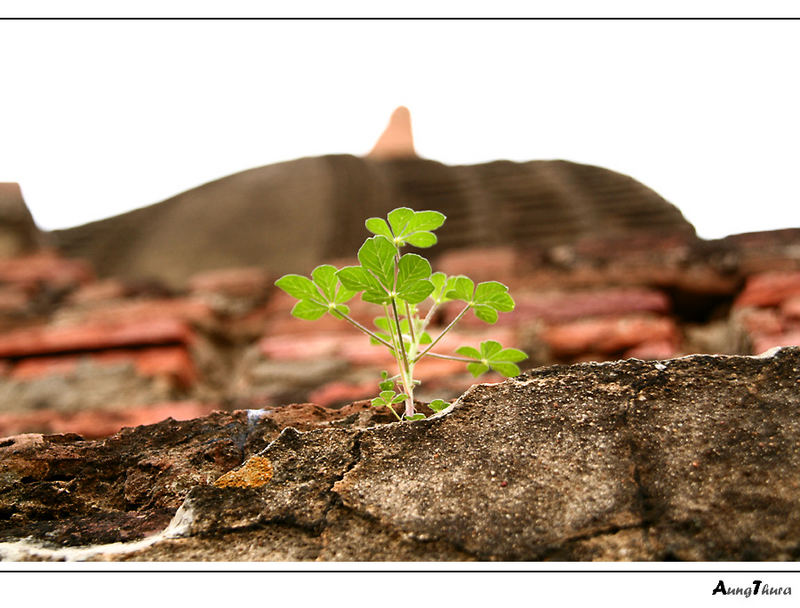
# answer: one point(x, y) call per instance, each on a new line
point(100, 117)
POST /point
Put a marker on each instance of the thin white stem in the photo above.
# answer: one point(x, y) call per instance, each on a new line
point(453, 358)
point(444, 331)
point(363, 329)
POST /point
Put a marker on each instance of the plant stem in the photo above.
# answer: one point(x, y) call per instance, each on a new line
point(453, 358)
point(405, 368)
point(428, 316)
point(358, 325)
point(444, 331)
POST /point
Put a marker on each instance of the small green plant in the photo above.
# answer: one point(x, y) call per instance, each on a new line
point(409, 293)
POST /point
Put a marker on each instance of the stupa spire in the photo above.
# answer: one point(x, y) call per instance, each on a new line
point(396, 141)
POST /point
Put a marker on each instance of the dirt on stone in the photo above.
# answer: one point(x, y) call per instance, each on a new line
point(683, 459)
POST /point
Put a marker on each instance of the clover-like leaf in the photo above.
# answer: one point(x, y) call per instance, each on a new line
point(476, 369)
point(386, 384)
point(325, 279)
point(492, 355)
point(299, 287)
point(343, 295)
point(426, 221)
point(357, 278)
point(421, 239)
point(470, 352)
point(408, 227)
point(376, 297)
point(494, 294)
point(463, 289)
point(309, 310)
point(442, 284)
point(399, 219)
point(486, 314)
point(379, 227)
point(415, 292)
point(417, 416)
point(490, 298)
point(412, 267)
point(437, 405)
point(377, 256)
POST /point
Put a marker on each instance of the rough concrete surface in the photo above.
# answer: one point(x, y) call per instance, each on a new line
point(693, 458)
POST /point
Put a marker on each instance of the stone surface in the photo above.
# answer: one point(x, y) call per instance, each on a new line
point(685, 459)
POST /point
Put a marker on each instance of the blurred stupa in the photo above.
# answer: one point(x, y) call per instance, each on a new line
point(289, 216)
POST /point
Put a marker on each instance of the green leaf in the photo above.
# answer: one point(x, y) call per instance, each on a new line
point(501, 360)
point(341, 309)
point(489, 348)
point(309, 310)
point(357, 278)
point(343, 295)
point(509, 370)
point(412, 267)
point(425, 338)
point(494, 294)
point(485, 313)
point(379, 227)
point(442, 284)
point(382, 323)
point(385, 384)
point(387, 396)
point(463, 289)
point(377, 255)
point(378, 402)
point(418, 416)
point(510, 354)
point(376, 297)
point(425, 220)
point(399, 219)
point(386, 337)
point(476, 369)
point(468, 351)
point(415, 292)
point(421, 239)
point(299, 287)
point(325, 278)
point(399, 398)
point(437, 405)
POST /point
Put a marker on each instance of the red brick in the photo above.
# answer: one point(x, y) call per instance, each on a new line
point(45, 268)
point(566, 306)
point(192, 310)
point(762, 343)
point(173, 362)
point(761, 321)
point(791, 307)
point(170, 361)
point(100, 291)
point(99, 423)
point(94, 336)
point(242, 282)
point(481, 264)
point(430, 369)
point(335, 393)
point(769, 289)
point(659, 349)
point(13, 298)
point(41, 367)
point(607, 335)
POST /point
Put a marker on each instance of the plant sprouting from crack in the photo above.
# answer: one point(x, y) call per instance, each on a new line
point(409, 293)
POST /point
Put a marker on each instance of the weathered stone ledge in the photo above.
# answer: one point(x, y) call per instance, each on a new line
point(696, 458)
